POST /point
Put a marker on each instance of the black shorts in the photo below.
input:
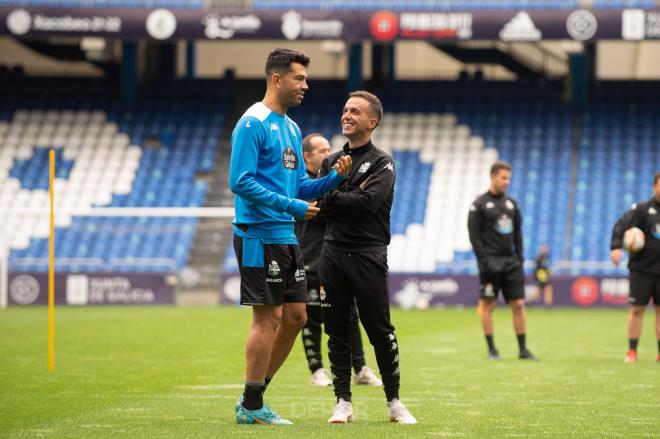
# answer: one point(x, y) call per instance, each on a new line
point(504, 274)
point(280, 280)
point(643, 288)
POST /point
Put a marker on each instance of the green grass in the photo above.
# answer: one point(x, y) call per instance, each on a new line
point(176, 372)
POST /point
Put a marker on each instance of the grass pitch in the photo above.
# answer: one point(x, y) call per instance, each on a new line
point(176, 372)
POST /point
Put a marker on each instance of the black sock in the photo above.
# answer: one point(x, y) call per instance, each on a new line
point(267, 381)
point(345, 398)
point(253, 396)
point(491, 343)
point(632, 343)
point(521, 342)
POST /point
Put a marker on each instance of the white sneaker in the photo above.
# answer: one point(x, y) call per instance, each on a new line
point(367, 377)
point(320, 377)
point(399, 413)
point(342, 413)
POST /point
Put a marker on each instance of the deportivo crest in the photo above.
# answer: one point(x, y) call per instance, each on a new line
point(504, 225)
point(289, 158)
point(273, 268)
point(490, 205)
point(364, 167)
point(509, 204)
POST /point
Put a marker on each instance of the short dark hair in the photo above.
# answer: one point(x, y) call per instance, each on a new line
point(498, 166)
point(656, 178)
point(374, 103)
point(280, 60)
point(307, 141)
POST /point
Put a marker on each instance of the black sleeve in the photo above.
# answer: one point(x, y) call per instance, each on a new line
point(620, 227)
point(369, 200)
point(474, 229)
point(517, 235)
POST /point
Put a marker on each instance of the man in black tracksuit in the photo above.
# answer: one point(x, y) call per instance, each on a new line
point(644, 265)
point(495, 228)
point(354, 257)
point(310, 235)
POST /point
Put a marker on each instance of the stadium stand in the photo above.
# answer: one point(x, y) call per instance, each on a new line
point(575, 169)
point(109, 155)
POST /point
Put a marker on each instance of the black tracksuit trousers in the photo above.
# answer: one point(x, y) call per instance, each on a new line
point(361, 277)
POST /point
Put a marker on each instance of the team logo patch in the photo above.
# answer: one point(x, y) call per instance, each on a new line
point(509, 204)
point(300, 275)
point(289, 158)
point(652, 211)
point(504, 225)
point(364, 167)
point(274, 268)
point(274, 127)
point(489, 290)
point(390, 166)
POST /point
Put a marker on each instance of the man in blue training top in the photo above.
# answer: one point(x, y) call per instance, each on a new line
point(268, 177)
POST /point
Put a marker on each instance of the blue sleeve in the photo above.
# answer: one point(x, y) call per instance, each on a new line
point(245, 143)
point(310, 189)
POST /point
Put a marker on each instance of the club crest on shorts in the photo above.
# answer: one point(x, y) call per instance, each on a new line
point(273, 268)
point(488, 290)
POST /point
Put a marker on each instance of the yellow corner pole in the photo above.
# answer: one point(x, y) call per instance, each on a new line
point(51, 269)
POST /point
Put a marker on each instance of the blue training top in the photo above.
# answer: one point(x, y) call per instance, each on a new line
point(268, 176)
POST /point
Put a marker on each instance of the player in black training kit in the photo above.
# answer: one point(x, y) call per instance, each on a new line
point(542, 276)
point(644, 266)
point(495, 228)
point(354, 257)
point(310, 235)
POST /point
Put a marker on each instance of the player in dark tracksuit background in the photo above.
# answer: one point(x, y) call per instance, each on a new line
point(310, 235)
point(644, 266)
point(495, 228)
point(354, 257)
